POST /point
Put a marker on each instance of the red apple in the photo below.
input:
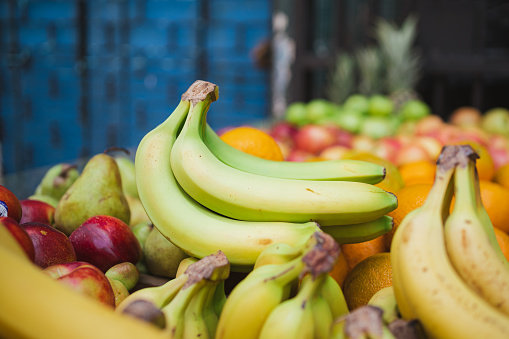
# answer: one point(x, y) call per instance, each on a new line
point(298, 155)
point(314, 138)
point(428, 124)
point(466, 116)
point(431, 145)
point(20, 234)
point(283, 131)
point(37, 211)
point(387, 148)
point(51, 245)
point(9, 204)
point(411, 153)
point(84, 278)
point(105, 241)
point(334, 152)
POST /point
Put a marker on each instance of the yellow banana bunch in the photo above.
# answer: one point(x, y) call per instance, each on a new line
point(203, 200)
point(428, 278)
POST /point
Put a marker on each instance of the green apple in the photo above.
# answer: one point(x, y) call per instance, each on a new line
point(296, 113)
point(318, 109)
point(350, 120)
point(357, 102)
point(380, 105)
point(496, 121)
point(378, 126)
point(414, 110)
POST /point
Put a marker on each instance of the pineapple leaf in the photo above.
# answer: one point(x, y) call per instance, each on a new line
point(342, 80)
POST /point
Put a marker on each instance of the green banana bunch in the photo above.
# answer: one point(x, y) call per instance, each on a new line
point(426, 284)
point(471, 242)
point(170, 207)
point(332, 170)
point(246, 196)
point(263, 290)
point(186, 304)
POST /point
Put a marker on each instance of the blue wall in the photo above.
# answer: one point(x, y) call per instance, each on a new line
point(77, 77)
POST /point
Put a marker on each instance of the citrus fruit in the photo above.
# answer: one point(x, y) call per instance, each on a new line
point(366, 278)
point(392, 182)
point(409, 198)
point(340, 269)
point(253, 141)
point(418, 172)
point(502, 176)
point(495, 199)
point(503, 241)
point(355, 253)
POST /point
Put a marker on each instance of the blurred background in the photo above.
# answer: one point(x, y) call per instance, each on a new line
point(77, 77)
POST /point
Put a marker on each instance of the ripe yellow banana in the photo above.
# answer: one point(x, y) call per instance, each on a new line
point(278, 253)
point(333, 294)
point(192, 227)
point(321, 307)
point(477, 259)
point(246, 196)
point(194, 324)
point(293, 318)
point(363, 322)
point(426, 285)
point(332, 170)
point(263, 289)
point(35, 306)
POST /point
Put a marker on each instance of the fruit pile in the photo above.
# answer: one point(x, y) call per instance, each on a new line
point(252, 246)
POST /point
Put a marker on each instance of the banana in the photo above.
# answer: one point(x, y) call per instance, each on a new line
point(277, 253)
point(477, 259)
point(333, 294)
point(194, 323)
point(184, 264)
point(263, 289)
point(426, 285)
point(321, 308)
point(364, 231)
point(364, 322)
point(251, 197)
point(331, 170)
point(36, 306)
point(293, 318)
point(386, 301)
point(190, 226)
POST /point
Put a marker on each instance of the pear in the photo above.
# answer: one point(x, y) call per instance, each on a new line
point(97, 191)
point(127, 172)
point(138, 214)
point(57, 180)
point(44, 198)
point(161, 256)
point(141, 232)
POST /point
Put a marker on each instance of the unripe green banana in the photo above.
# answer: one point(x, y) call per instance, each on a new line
point(331, 170)
point(426, 284)
point(363, 231)
point(471, 242)
point(251, 197)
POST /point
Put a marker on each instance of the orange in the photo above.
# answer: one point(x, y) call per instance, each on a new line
point(418, 172)
point(393, 181)
point(485, 166)
point(253, 141)
point(355, 253)
point(409, 198)
point(366, 278)
point(495, 199)
point(503, 241)
point(502, 176)
point(340, 269)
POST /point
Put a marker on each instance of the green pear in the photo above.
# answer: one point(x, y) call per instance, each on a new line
point(141, 232)
point(97, 191)
point(126, 273)
point(57, 180)
point(138, 214)
point(161, 255)
point(119, 290)
point(127, 173)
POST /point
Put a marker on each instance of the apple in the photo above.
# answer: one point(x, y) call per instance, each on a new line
point(465, 116)
point(296, 113)
point(38, 211)
point(496, 121)
point(414, 110)
point(20, 234)
point(378, 126)
point(105, 241)
point(431, 145)
point(363, 143)
point(356, 102)
point(380, 105)
point(9, 204)
point(51, 245)
point(318, 109)
point(350, 120)
point(428, 125)
point(298, 155)
point(335, 152)
point(85, 279)
point(283, 132)
point(411, 153)
point(314, 138)
point(387, 148)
